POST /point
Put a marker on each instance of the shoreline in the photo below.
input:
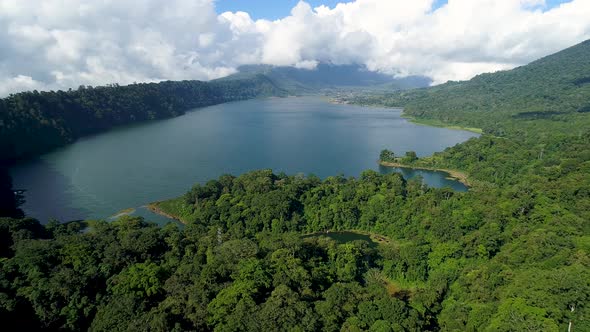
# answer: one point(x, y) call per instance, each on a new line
point(439, 124)
point(154, 208)
point(409, 118)
point(454, 174)
point(346, 102)
point(121, 213)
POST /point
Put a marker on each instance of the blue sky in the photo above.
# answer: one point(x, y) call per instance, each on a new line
point(268, 9)
point(274, 9)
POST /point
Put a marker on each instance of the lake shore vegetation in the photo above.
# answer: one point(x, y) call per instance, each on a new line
point(512, 253)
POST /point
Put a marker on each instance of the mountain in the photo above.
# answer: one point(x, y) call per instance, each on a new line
point(328, 77)
point(549, 88)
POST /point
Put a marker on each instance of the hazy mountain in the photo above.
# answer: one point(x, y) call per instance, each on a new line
point(329, 76)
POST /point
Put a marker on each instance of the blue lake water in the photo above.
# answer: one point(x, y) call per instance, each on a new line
point(128, 167)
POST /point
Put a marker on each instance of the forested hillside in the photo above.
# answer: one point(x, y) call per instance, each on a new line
point(555, 88)
point(492, 259)
point(511, 254)
point(240, 265)
point(32, 123)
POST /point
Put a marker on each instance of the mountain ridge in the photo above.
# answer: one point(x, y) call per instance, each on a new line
point(326, 76)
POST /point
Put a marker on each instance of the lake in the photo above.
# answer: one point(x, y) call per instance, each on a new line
point(98, 176)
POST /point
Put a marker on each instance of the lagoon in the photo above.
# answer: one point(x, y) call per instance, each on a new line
point(98, 176)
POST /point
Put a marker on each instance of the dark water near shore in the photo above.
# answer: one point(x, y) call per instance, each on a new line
point(100, 175)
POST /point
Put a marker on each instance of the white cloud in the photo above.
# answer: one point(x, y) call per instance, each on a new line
point(66, 43)
point(50, 44)
point(307, 64)
point(457, 41)
point(18, 83)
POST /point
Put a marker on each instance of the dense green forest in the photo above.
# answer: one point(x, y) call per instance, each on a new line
point(35, 122)
point(511, 254)
point(491, 259)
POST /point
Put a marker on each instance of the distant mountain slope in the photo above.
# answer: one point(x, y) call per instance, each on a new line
point(547, 88)
point(328, 76)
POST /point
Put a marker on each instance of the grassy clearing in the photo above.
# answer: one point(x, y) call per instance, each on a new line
point(174, 208)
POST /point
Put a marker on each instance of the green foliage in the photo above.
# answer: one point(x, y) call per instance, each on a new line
point(552, 89)
point(141, 279)
point(516, 315)
point(453, 261)
point(524, 222)
point(387, 155)
point(410, 157)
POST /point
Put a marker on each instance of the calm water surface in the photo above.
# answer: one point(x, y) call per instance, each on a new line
point(128, 167)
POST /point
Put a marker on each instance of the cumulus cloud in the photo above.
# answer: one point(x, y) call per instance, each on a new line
point(66, 43)
point(457, 41)
point(51, 44)
point(18, 83)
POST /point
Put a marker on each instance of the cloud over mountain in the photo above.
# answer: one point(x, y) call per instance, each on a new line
point(53, 44)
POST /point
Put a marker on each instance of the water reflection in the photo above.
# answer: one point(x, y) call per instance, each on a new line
point(431, 178)
point(48, 193)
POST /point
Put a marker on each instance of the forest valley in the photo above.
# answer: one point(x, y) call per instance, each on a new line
point(510, 254)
